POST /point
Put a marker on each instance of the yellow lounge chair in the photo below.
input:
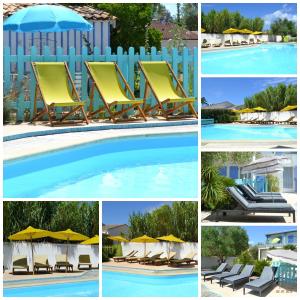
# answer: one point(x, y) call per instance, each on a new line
point(57, 89)
point(159, 79)
point(19, 263)
point(84, 260)
point(41, 262)
point(106, 80)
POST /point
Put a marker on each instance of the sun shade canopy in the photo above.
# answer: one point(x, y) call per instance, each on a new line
point(290, 107)
point(259, 108)
point(170, 238)
point(231, 30)
point(68, 235)
point(118, 238)
point(46, 18)
point(91, 241)
point(29, 233)
point(144, 239)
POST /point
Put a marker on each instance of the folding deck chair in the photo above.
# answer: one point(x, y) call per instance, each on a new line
point(57, 89)
point(107, 79)
point(159, 79)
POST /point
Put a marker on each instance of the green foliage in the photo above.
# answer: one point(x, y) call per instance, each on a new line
point(290, 247)
point(161, 14)
point(245, 258)
point(259, 265)
point(273, 98)
point(180, 219)
point(221, 158)
point(273, 183)
point(218, 21)
point(219, 115)
point(82, 217)
point(223, 241)
point(284, 27)
point(154, 38)
point(189, 16)
point(254, 252)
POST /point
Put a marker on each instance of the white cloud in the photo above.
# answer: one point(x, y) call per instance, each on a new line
point(283, 13)
point(275, 81)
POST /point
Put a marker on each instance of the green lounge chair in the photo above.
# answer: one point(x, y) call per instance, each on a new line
point(136, 258)
point(187, 260)
point(57, 89)
point(61, 262)
point(41, 262)
point(149, 259)
point(123, 258)
point(159, 79)
point(20, 263)
point(84, 260)
point(107, 79)
point(163, 260)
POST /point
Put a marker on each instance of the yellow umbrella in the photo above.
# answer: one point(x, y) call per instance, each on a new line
point(118, 238)
point(171, 239)
point(202, 30)
point(289, 107)
point(256, 32)
point(144, 239)
point(246, 110)
point(68, 235)
point(93, 240)
point(29, 233)
point(259, 108)
point(275, 241)
point(245, 31)
point(231, 30)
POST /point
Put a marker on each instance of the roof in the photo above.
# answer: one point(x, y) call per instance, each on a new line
point(221, 105)
point(87, 12)
point(287, 256)
point(280, 232)
point(108, 227)
point(167, 30)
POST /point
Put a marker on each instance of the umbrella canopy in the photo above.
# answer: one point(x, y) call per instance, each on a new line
point(144, 239)
point(275, 241)
point(30, 233)
point(46, 18)
point(91, 241)
point(246, 110)
point(259, 108)
point(231, 30)
point(170, 239)
point(202, 30)
point(68, 235)
point(290, 107)
point(118, 238)
point(256, 32)
point(245, 31)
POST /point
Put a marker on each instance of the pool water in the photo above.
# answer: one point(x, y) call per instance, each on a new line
point(74, 289)
point(263, 59)
point(117, 284)
point(147, 166)
point(247, 132)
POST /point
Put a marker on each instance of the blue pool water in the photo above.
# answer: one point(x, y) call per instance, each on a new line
point(247, 132)
point(117, 284)
point(148, 166)
point(76, 289)
point(262, 59)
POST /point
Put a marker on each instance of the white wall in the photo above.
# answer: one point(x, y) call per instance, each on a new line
point(181, 249)
point(50, 250)
point(211, 37)
point(210, 262)
point(275, 115)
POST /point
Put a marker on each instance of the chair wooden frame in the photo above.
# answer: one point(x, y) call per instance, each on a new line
point(49, 109)
point(108, 106)
point(160, 104)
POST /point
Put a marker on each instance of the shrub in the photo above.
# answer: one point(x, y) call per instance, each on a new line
point(290, 247)
point(273, 183)
point(259, 265)
point(245, 258)
point(254, 252)
point(219, 115)
point(105, 256)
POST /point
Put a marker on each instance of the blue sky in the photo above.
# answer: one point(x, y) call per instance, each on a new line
point(267, 11)
point(117, 212)
point(257, 234)
point(235, 89)
point(171, 7)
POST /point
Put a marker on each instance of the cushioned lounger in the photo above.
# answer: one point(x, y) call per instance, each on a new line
point(265, 280)
point(235, 270)
point(262, 193)
point(219, 270)
point(260, 207)
point(242, 277)
point(123, 258)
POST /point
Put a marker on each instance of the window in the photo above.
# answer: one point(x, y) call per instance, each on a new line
point(223, 171)
point(234, 172)
point(291, 239)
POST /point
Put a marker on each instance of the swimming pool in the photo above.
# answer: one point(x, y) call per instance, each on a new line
point(263, 59)
point(74, 289)
point(117, 284)
point(143, 166)
point(247, 132)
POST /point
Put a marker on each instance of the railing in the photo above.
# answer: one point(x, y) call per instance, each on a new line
point(19, 82)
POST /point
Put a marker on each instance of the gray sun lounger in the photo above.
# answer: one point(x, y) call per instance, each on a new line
point(264, 198)
point(262, 193)
point(235, 270)
point(254, 207)
point(265, 280)
point(242, 277)
point(221, 268)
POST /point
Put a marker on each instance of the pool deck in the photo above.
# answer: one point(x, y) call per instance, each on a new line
point(22, 279)
point(226, 291)
point(136, 268)
point(44, 138)
point(213, 49)
point(207, 216)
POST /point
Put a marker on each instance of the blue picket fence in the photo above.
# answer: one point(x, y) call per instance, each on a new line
point(18, 75)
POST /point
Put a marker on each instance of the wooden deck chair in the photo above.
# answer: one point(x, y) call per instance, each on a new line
point(107, 79)
point(57, 89)
point(159, 79)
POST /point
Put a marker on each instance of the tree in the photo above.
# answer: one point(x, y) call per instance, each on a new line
point(283, 27)
point(203, 101)
point(189, 12)
point(161, 14)
point(132, 23)
point(223, 241)
point(154, 38)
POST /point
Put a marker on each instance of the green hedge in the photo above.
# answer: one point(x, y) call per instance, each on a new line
point(219, 115)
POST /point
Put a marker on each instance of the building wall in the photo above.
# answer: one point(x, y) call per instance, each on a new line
point(212, 262)
point(187, 43)
point(286, 238)
point(50, 250)
point(118, 230)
